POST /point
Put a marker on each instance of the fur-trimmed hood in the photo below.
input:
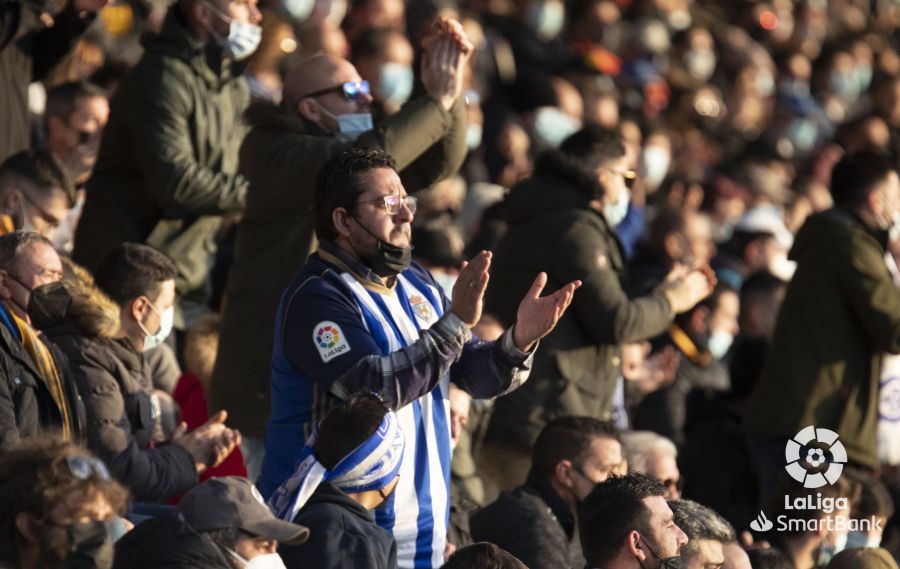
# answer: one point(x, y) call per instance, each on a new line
point(91, 309)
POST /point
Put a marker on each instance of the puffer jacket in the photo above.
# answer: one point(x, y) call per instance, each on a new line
point(115, 387)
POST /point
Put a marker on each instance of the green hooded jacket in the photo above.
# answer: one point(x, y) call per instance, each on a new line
point(167, 168)
point(841, 312)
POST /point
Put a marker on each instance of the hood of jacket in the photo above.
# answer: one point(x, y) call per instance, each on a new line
point(835, 225)
point(557, 184)
point(91, 309)
point(267, 115)
point(206, 59)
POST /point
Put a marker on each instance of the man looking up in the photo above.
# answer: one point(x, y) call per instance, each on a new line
point(326, 110)
point(361, 317)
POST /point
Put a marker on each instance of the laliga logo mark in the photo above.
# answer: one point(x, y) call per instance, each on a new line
point(815, 457)
point(761, 523)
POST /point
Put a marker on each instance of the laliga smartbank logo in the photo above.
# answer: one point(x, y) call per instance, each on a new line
point(815, 457)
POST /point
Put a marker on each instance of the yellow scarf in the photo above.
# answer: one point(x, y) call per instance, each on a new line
point(6, 224)
point(43, 360)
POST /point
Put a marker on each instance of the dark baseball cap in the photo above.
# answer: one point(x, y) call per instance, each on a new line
point(233, 502)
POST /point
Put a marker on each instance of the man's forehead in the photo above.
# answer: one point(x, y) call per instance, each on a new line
point(659, 509)
point(381, 182)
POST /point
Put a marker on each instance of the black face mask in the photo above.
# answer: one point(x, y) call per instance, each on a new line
point(673, 562)
point(91, 546)
point(388, 260)
point(48, 304)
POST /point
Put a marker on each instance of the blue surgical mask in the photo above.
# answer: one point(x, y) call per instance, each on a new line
point(243, 37)
point(395, 83)
point(546, 18)
point(859, 539)
point(616, 212)
point(552, 126)
point(299, 10)
point(351, 125)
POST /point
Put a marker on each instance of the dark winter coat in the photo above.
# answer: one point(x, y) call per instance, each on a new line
point(282, 157)
point(167, 168)
point(342, 535)
point(553, 229)
point(840, 314)
point(26, 405)
point(167, 542)
point(28, 51)
point(534, 524)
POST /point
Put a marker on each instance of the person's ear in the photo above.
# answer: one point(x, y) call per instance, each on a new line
point(308, 109)
point(340, 218)
point(5, 290)
point(54, 125)
point(12, 200)
point(25, 526)
point(563, 473)
point(672, 245)
point(634, 546)
point(138, 308)
point(700, 319)
point(875, 203)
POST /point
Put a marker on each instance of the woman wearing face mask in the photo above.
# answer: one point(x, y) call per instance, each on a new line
point(104, 346)
point(59, 508)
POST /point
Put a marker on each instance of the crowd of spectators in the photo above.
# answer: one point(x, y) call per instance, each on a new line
point(464, 283)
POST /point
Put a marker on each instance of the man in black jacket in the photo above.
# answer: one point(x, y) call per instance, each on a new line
point(113, 379)
point(536, 521)
point(31, 44)
point(351, 467)
point(36, 390)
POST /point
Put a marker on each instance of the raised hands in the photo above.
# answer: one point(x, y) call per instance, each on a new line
point(537, 315)
point(446, 51)
point(468, 292)
point(210, 443)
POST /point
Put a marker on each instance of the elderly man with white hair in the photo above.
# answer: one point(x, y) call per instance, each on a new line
point(655, 455)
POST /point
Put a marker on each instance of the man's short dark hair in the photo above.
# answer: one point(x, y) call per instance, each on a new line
point(37, 173)
point(567, 438)
point(347, 426)
point(338, 184)
point(769, 558)
point(612, 510)
point(593, 147)
point(61, 100)
point(483, 555)
point(699, 523)
point(856, 175)
point(131, 270)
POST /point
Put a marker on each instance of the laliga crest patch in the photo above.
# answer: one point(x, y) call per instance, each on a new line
point(329, 340)
point(422, 308)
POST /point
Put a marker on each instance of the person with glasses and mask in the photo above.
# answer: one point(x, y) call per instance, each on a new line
point(536, 521)
point(35, 193)
point(167, 170)
point(349, 467)
point(625, 523)
point(326, 109)
point(360, 316)
point(37, 392)
point(60, 507)
point(563, 221)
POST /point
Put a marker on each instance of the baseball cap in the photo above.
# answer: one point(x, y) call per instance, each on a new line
point(233, 502)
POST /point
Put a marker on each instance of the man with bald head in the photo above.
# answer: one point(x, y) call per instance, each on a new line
point(326, 109)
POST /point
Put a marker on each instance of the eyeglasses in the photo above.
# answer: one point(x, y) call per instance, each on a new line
point(351, 90)
point(393, 203)
point(630, 177)
point(81, 467)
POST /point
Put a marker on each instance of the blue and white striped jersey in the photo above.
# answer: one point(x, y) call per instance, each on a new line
point(338, 332)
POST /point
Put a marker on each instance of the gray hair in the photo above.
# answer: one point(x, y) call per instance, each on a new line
point(699, 523)
point(640, 445)
point(12, 244)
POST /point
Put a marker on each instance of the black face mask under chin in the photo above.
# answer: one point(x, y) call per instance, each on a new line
point(673, 562)
point(388, 260)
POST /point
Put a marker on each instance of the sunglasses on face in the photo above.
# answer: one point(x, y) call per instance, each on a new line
point(393, 203)
point(351, 90)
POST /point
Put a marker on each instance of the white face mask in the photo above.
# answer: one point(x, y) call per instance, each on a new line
point(546, 18)
point(351, 125)
point(719, 342)
point(782, 267)
point(243, 37)
point(266, 561)
point(166, 320)
point(396, 82)
point(473, 135)
point(552, 126)
point(616, 212)
point(654, 164)
point(858, 539)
